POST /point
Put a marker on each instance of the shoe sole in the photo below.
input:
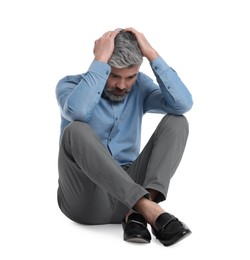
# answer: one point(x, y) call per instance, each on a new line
point(137, 240)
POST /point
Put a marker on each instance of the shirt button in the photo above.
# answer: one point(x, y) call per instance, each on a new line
point(116, 118)
point(156, 67)
point(107, 72)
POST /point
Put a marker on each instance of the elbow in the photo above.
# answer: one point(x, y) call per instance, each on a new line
point(183, 107)
point(79, 116)
point(76, 115)
point(188, 106)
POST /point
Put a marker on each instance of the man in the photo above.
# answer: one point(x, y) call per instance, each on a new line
point(103, 177)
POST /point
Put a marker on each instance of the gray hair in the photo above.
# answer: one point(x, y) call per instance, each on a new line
point(127, 52)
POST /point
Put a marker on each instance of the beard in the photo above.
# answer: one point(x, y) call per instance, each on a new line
point(113, 97)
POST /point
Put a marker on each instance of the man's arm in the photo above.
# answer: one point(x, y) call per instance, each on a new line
point(78, 95)
point(176, 98)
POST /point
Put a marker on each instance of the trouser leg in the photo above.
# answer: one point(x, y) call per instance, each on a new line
point(158, 161)
point(90, 181)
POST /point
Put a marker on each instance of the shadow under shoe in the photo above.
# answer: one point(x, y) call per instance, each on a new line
point(135, 229)
point(169, 229)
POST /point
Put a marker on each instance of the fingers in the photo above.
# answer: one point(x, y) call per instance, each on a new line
point(139, 36)
point(112, 33)
point(107, 33)
point(116, 31)
point(130, 29)
point(105, 45)
point(147, 50)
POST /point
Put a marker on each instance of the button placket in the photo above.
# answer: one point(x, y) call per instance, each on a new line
point(114, 123)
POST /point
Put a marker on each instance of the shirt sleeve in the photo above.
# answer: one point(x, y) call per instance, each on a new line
point(170, 95)
point(78, 95)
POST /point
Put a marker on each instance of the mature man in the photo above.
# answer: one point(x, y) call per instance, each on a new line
point(103, 176)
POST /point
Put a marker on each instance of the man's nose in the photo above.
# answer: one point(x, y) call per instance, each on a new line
point(121, 84)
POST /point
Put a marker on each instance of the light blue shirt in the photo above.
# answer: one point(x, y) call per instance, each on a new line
point(118, 124)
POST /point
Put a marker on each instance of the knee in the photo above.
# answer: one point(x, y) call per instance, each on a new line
point(77, 130)
point(178, 124)
point(76, 127)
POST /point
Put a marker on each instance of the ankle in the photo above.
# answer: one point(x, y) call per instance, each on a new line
point(149, 210)
point(128, 214)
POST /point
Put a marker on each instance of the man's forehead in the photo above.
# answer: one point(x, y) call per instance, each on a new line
point(125, 71)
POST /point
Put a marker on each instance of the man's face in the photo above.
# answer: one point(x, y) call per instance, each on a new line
point(120, 82)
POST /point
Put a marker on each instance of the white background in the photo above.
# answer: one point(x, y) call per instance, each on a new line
point(206, 42)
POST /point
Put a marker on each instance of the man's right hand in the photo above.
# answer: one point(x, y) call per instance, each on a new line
point(104, 46)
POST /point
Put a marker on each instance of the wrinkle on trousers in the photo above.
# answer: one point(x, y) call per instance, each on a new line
point(94, 189)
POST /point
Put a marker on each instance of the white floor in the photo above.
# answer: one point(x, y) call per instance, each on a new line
point(212, 200)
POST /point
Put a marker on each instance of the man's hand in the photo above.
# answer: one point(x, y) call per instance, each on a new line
point(147, 50)
point(104, 46)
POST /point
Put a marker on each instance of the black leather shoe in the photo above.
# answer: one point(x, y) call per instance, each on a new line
point(135, 229)
point(169, 229)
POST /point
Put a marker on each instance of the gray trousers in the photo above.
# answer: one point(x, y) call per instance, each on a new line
point(94, 189)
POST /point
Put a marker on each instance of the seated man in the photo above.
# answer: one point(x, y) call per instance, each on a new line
point(103, 176)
